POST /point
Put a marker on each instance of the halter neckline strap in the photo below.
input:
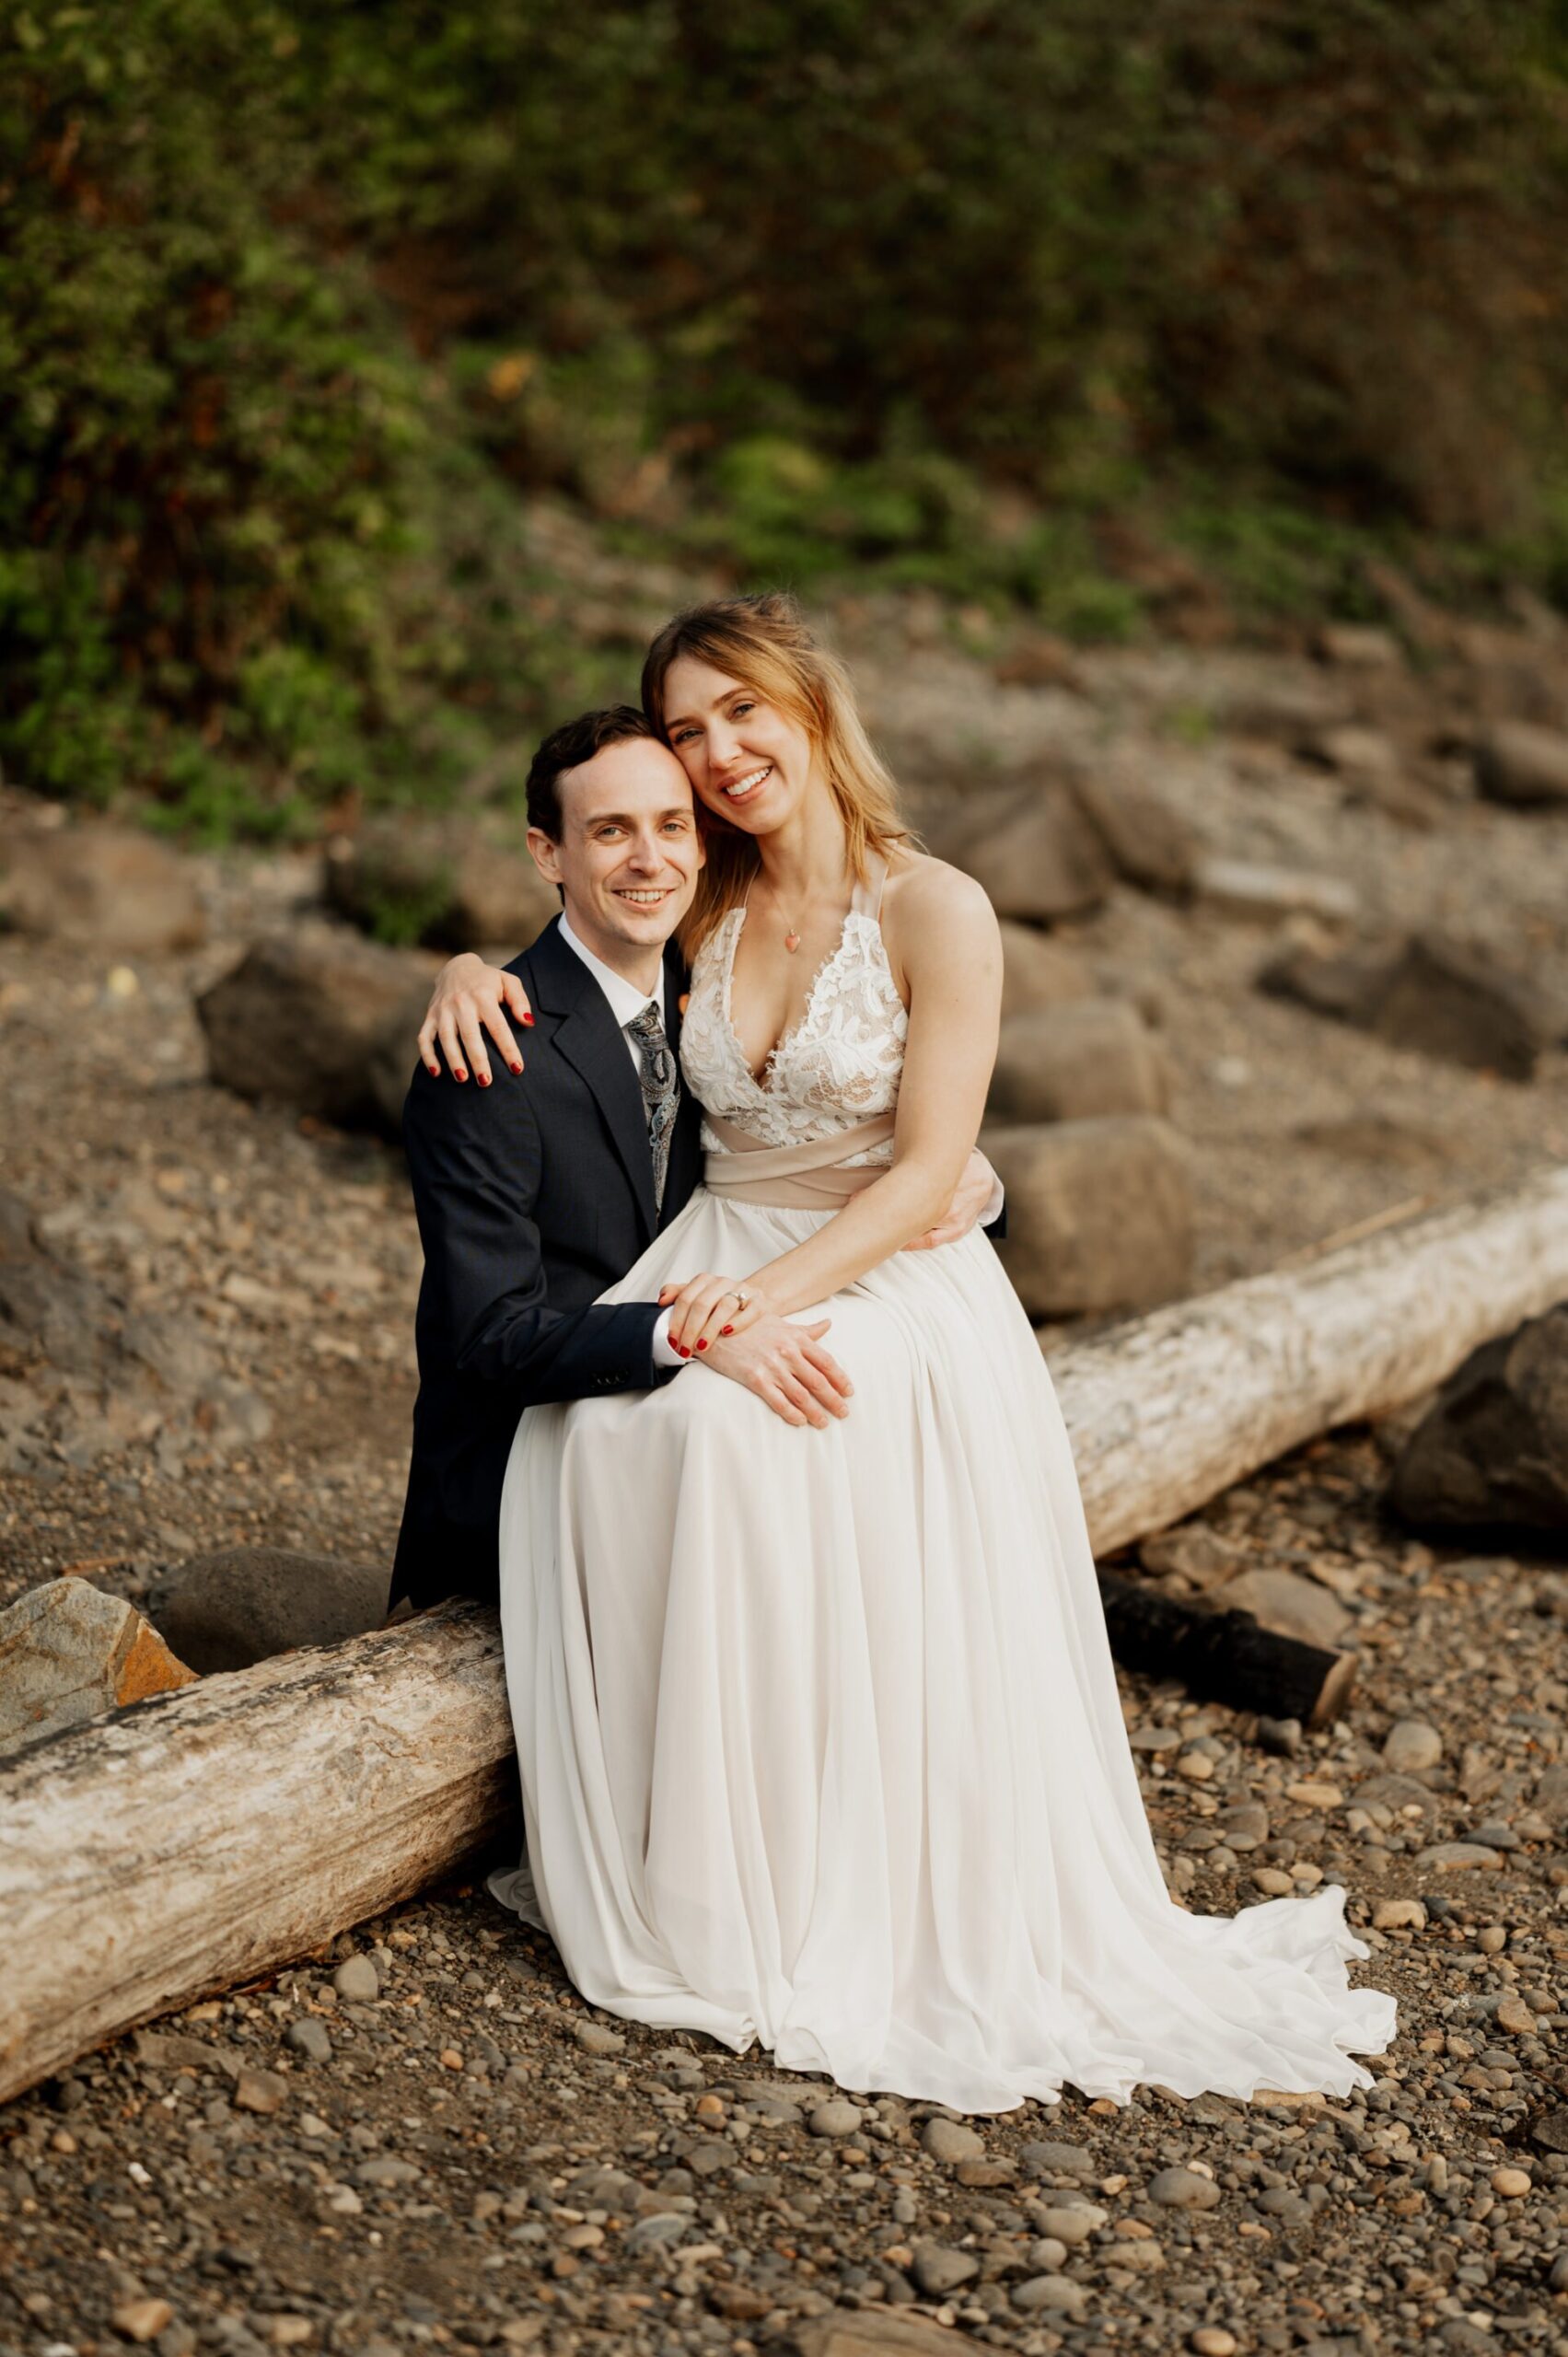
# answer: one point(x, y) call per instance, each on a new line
point(866, 898)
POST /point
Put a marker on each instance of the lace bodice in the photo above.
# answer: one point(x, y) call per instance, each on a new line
point(838, 1067)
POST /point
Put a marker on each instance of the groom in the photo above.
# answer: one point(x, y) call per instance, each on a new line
point(536, 1193)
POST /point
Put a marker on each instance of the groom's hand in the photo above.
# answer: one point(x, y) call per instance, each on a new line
point(977, 1197)
point(786, 1366)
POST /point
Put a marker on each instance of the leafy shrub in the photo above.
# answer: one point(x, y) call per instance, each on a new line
point(293, 305)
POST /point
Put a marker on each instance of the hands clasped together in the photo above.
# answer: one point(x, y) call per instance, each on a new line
point(740, 1334)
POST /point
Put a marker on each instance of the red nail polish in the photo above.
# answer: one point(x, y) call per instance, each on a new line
point(703, 1343)
point(517, 1068)
point(482, 1078)
point(682, 1350)
point(529, 1020)
point(724, 1330)
point(435, 1071)
point(458, 1073)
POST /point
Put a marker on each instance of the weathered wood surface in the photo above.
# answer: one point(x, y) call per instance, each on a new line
point(1168, 1409)
point(218, 1832)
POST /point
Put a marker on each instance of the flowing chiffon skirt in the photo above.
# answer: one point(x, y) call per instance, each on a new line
point(819, 1734)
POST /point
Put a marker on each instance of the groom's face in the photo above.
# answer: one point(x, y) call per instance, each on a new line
point(629, 854)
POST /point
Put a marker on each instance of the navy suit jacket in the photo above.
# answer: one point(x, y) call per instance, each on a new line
point(533, 1195)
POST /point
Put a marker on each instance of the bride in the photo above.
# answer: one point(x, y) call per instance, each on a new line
point(819, 1730)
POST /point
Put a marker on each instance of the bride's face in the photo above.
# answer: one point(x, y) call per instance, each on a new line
point(749, 762)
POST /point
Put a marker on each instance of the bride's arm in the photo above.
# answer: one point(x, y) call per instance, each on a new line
point(952, 961)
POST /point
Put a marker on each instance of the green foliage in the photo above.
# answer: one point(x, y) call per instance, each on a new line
point(298, 307)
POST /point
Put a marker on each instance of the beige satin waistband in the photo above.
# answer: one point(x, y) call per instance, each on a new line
point(808, 1178)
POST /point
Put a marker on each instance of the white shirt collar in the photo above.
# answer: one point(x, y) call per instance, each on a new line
point(626, 1001)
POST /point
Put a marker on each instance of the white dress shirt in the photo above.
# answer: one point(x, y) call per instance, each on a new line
point(626, 1003)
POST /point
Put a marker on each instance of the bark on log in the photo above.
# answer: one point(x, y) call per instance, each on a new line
point(1168, 1409)
point(219, 1832)
point(1223, 1656)
point(212, 1835)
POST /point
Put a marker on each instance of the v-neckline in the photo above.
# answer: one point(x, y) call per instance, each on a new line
point(759, 1080)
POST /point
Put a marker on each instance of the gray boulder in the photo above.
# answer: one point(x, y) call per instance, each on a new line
point(1099, 1213)
point(107, 888)
point(68, 1652)
point(1146, 840)
point(1521, 762)
point(244, 1604)
point(1035, 851)
point(1441, 997)
point(1037, 971)
point(1076, 1061)
point(314, 1018)
point(1491, 1451)
point(443, 884)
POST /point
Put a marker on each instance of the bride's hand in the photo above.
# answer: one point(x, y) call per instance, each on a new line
point(470, 998)
point(704, 1308)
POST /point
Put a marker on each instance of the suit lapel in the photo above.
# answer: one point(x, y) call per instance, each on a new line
point(587, 1037)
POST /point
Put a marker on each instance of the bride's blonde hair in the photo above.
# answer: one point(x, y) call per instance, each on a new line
point(766, 643)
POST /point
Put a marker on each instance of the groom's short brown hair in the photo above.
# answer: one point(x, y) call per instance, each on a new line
point(567, 747)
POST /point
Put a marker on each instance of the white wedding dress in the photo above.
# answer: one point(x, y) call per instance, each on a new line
point(819, 1731)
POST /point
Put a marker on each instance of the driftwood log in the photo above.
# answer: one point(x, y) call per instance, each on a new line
point(1169, 1410)
point(209, 1836)
point(151, 1857)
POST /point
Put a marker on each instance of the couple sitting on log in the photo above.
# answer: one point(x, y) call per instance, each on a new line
point(818, 1732)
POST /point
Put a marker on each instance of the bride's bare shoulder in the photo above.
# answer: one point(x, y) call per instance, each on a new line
point(921, 891)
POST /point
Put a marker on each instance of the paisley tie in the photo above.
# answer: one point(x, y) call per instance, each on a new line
point(661, 1090)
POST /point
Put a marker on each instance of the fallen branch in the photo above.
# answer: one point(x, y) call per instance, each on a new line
point(216, 1834)
point(1222, 1655)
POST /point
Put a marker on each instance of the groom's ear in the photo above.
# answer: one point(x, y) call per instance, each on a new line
point(546, 854)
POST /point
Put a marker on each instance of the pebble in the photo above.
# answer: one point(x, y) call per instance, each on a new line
point(357, 1981)
point(1515, 2015)
point(309, 2037)
point(1557, 2279)
point(1178, 2188)
point(1049, 2159)
point(938, 2268)
point(1412, 1745)
point(1212, 2340)
point(1271, 1882)
point(1398, 1915)
point(596, 2037)
point(837, 2116)
point(1050, 2292)
point(1048, 2255)
point(1511, 2185)
point(949, 2140)
point(1454, 1857)
point(141, 2319)
point(1312, 1795)
point(1070, 2225)
point(383, 2169)
point(260, 2091)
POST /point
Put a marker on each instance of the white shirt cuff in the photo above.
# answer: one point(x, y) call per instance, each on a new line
point(665, 1351)
point(993, 1211)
